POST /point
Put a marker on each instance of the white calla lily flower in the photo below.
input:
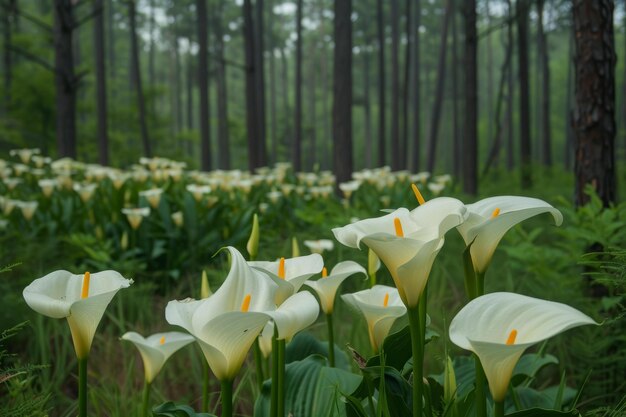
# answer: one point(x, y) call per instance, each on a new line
point(291, 273)
point(297, 313)
point(407, 242)
point(499, 327)
point(326, 287)
point(227, 323)
point(81, 299)
point(156, 349)
point(489, 219)
point(381, 306)
point(319, 246)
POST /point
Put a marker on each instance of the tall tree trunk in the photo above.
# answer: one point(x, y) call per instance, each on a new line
point(490, 80)
point(297, 137)
point(101, 89)
point(342, 91)
point(382, 107)
point(470, 146)
point(252, 119)
point(287, 138)
point(441, 77)
point(524, 87)
point(136, 76)
point(312, 111)
point(273, 93)
point(510, 159)
point(110, 23)
point(594, 112)
point(367, 107)
point(327, 137)
point(7, 56)
point(178, 90)
point(189, 78)
point(545, 95)
point(203, 82)
point(416, 92)
point(66, 84)
point(456, 137)
point(404, 142)
point(259, 73)
point(395, 87)
point(223, 145)
point(151, 53)
point(568, 149)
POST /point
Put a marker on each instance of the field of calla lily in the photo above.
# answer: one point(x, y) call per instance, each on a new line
point(266, 294)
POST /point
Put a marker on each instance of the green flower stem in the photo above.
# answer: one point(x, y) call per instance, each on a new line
point(418, 359)
point(205, 386)
point(480, 284)
point(498, 408)
point(145, 400)
point(470, 275)
point(258, 361)
point(370, 391)
point(281, 377)
point(227, 398)
point(331, 340)
point(82, 387)
point(481, 399)
point(274, 390)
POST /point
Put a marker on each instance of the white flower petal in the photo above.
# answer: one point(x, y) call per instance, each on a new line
point(326, 287)
point(297, 313)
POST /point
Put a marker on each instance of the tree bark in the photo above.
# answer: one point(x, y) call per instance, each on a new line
point(252, 119)
point(568, 150)
point(259, 73)
point(151, 53)
point(417, 123)
point(8, 16)
point(223, 143)
point(66, 84)
point(456, 149)
point(545, 95)
point(441, 77)
point(524, 87)
point(287, 138)
point(404, 138)
point(110, 23)
point(510, 159)
point(189, 78)
point(367, 107)
point(203, 82)
point(470, 146)
point(395, 87)
point(382, 108)
point(297, 137)
point(136, 76)
point(101, 89)
point(342, 92)
point(594, 112)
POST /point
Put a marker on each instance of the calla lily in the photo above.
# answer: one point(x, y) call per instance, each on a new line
point(135, 215)
point(407, 242)
point(381, 306)
point(499, 327)
point(156, 349)
point(319, 246)
point(294, 315)
point(227, 323)
point(489, 219)
point(290, 274)
point(153, 196)
point(81, 299)
point(326, 287)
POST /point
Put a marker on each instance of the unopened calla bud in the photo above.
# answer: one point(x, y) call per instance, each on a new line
point(253, 242)
point(124, 241)
point(295, 249)
point(373, 265)
point(205, 290)
point(449, 382)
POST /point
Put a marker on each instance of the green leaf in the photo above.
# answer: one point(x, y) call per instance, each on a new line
point(312, 389)
point(397, 348)
point(169, 409)
point(304, 344)
point(542, 412)
point(464, 371)
point(530, 364)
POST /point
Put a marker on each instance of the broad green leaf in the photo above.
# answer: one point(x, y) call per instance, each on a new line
point(530, 364)
point(542, 412)
point(312, 389)
point(305, 344)
point(397, 348)
point(169, 409)
point(464, 370)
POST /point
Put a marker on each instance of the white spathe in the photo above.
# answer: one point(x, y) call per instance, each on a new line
point(297, 271)
point(326, 287)
point(297, 313)
point(484, 325)
point(379, 317)
point(156, 349)
point(484, 232)
point(224, 332)
point(58, 295)
point(409, 258)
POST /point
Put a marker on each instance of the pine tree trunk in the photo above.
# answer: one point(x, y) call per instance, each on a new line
point(287, 138)
point(416, 93)
point(7, 56)
point(136, 76)
point(110, 23)
point(456, 136)
point(151, 53)
point(101, 89)
point(342, 91)
point(510, 159)
point(404, 138)
point(259, 73)
point(66, 85)
point(252, 119)
point(470, 146)
point(297, 137)
point(395, 87)
point(594, 112)
point(524, 87)
point(312, 157)
point(203, 83)
point(568, 150)
point(273, 91)
point(223, 142)
point(441, 77)
point(382, 106)
point(189, 78)
point(545, 95)
point(326, 117)
point(367, 107)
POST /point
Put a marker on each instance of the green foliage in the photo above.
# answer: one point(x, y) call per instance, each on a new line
point(169, 409)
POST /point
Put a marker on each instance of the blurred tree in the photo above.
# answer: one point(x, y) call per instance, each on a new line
point(223, 146)
point(342, 92)
point(546, 139)
point(524, 87)
point(203, 82)
point(470, 137)
point(255, 147)
point(382, 133)
point(594, 111)
point(395, 87)
point(136, 77)
point(101, 89)
point(297, 137)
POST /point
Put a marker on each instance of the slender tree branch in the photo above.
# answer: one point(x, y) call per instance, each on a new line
point(33, 19)
point(32, 57)
point(95, 12)
point(504, 23)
